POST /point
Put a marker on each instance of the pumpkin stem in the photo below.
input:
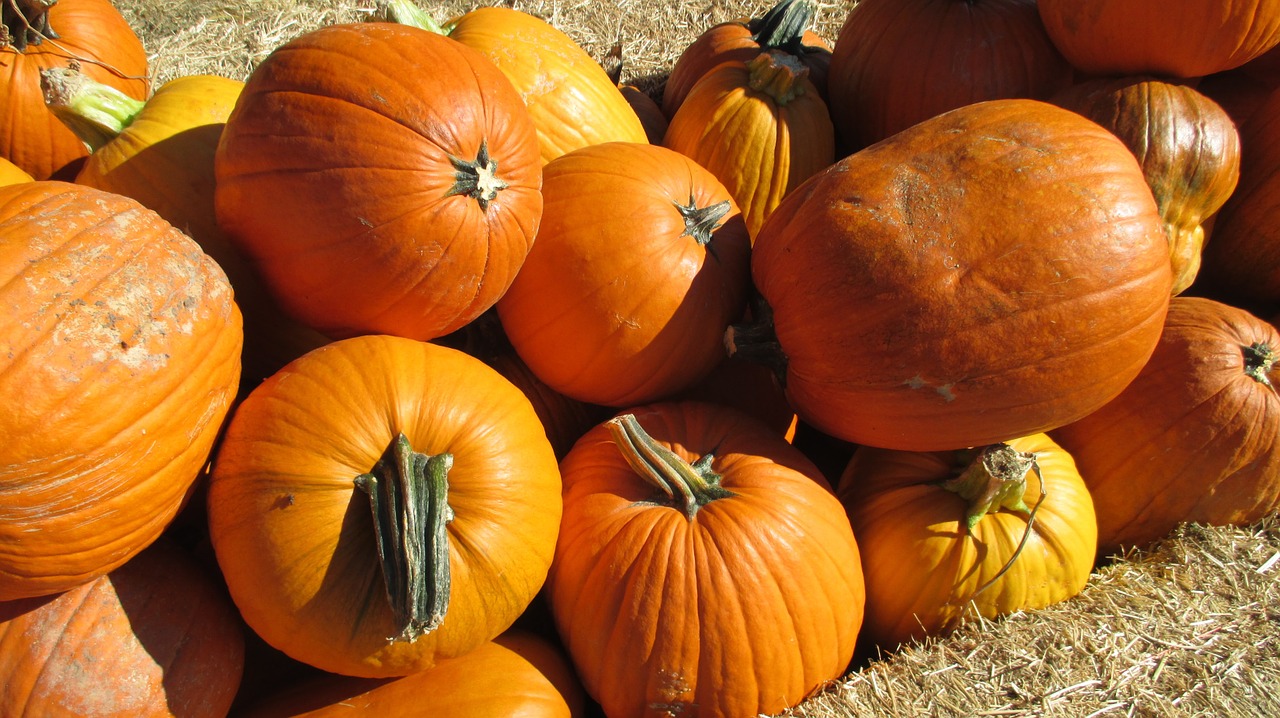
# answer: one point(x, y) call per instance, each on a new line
point(477, 178)
point(700, 222)
point(1259, 362)
point(405, 12)
point(778, 75)
point(408, 494)
point(995, 479)
point(783, 26)
point(96, 112)
point(689, 487)
point(26, 22)
point(756, 341)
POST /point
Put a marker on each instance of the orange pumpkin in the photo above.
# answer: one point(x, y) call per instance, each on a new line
point(155, 638)
point(996, 271)
point(321, 460)
point(704, 566)
point(121, 356)
point(1195, 437)
point(12, 174)
point(39, 35)
point(375, 198)
point(641, 263)
point(950, 536)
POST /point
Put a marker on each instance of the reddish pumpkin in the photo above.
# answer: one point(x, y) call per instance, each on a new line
point(1195, 437)
point(121, 356)
point(375, 198)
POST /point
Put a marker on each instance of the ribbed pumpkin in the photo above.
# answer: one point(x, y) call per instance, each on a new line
point(160, 152)
point(517, 675)
point(899, 62)
point(1188, 147)
point(374, 197)
point(1172, 38)
point(1195, 437)
point(641, 263)
point(46, 34)
point(12, 174)
point(155, 638)
point(121, 355)
point(760, 127)
point(408, 432)
point(950, 536)
point(704, 566)
point(996, 271)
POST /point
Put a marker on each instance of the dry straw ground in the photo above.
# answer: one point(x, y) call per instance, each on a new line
point(1189, 627)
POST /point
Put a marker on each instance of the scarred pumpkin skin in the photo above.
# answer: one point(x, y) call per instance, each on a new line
point(1172, 38)
point(121, 355)
point(996, 271)
point(1187, 145)
point(91, 31)
point(1195, 437)
point(293, 530)
point(155, 638)
point(739, 607)
point(926, 571)
point(375, 198)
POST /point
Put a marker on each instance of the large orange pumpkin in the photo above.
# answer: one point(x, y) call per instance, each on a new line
point(40, 35)
point(402, 430)
point(119, 359)
point(1195, 437)
point(376, 196)
point(996, 271)
point(704, 566)
point(155, 638)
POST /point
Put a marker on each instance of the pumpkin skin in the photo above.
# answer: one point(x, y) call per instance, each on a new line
point(1195, 437)
point(1187, 145)
point(926, 571)
point(742, 609)
point(334, 176)
point(761, 127)
point(160, 152)
point(157, 637)
point(293, 533)
point(899, 62)
point(1172, 38)
point(947, 301)
point(624, 299)
point(12, 174)
point(122, 345)
point(95, 33)
point(517, 675)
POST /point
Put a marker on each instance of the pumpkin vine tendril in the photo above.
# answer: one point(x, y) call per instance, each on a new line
point(696, 484)
point(478, 178)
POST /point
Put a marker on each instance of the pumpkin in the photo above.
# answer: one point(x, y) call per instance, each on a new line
point(641, 263)
point(12, 174)
point(121, 348)
point(784, 27)
point(1172, 38)
point(761, 127)
point(949, 536)
point(374, 198)
point(899, 62)
point(1195, 437)
point(750, 388)
point(160, 152)
point(1186, 143)
point(1241, 266)
point(704, 566)
point(993, 272)
point(156, 637)
point(572, 100)
point(324, 457)
point(39, 34)
point(517, 675)
point(652, 118)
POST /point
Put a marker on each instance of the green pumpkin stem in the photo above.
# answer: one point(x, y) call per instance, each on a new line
point(689, 487)
point(1259, 362)
point(701, 222)
point(477, 178)
point(26, 22)
point(783, 26)
point(97, 113)
point(406, 12)
point(408, 495)
point(995, 479)
point(756, 340)
point(778, 75)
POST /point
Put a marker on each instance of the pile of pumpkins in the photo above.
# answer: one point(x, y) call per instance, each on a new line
point(472, 382)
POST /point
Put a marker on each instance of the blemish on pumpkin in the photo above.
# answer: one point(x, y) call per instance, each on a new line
point(945, 391)
point(916, 382)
